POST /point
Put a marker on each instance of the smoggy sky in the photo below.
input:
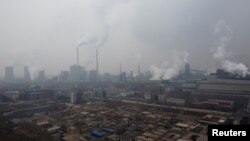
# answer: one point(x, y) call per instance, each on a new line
point(44, 34)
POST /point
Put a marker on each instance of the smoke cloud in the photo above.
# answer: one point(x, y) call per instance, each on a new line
point(32, 35)
point(224, 32)
point(235, 68)
point(97, 39)
point(170, 69)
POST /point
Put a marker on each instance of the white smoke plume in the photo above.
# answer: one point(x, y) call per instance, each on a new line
point(219, 53)
point(156, 72)
point(87, 40)
point(235, 68)
point(103, 38)
point(170, 69)
point(224, 32)
point(97, 39)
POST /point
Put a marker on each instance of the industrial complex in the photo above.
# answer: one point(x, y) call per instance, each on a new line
point(85, 106)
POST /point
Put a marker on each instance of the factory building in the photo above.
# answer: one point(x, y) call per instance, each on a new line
point(110, 77)
point(75, 72)
point(92, 75)
point(218, 86)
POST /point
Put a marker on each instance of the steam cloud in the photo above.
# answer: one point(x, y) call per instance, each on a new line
point(224, 32)
point(97, 39)
point(170, 70)
point(235, 68)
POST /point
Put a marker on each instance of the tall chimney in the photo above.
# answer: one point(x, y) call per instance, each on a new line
point(77, 55)
point(97, 69)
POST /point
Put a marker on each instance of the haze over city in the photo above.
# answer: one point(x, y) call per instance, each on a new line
point(158, 35)
point(124, 70)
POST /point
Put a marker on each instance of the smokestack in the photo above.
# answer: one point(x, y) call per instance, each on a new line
point(77, 55)
point(97, 61)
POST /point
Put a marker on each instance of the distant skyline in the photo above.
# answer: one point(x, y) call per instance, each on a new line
point(159, 34)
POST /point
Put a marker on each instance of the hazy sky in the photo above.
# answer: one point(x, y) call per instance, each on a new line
point(44, 34)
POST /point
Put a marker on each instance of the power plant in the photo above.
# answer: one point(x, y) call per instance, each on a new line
point(119, 70)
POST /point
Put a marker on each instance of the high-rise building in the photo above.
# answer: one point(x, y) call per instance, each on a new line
point(109, 77)
point(26, 74)
point(9, 73)
point(75, 72)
